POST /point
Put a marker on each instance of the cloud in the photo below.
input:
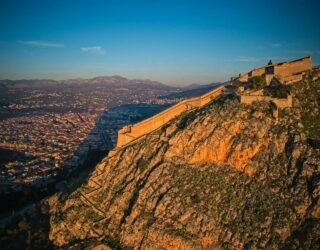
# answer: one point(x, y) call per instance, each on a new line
point(42, 44)
point(276, 45)
point(97, 50)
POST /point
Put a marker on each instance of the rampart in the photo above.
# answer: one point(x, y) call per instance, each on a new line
point(292, 78)
point(130, 133)
point(287, 69)
point(286, 72)
point(279, 102)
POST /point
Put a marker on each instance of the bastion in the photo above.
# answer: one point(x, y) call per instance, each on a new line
point(132, 132)
point(285, 72)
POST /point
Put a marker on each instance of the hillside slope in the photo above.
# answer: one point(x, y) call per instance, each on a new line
point(227, 176)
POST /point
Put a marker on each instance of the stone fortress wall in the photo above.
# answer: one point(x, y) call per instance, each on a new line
point(279, 102)
point(286, 72)
point(129, 133)
point(289, 68)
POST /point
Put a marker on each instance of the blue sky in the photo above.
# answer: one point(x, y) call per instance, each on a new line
point(176, 42)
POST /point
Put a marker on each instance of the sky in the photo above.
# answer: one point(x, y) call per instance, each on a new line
point(175, 42)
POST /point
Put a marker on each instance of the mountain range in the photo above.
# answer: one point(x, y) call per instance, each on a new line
point(110, 81)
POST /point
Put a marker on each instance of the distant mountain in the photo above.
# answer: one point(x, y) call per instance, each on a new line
point(35, 83)
point(97, 80)
point(112, 81)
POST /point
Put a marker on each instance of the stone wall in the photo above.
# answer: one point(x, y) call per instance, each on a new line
point(130, 133)
point(291, 78)
point(243, 78)
point(279, 102)
point(291, 68)
point(269, 78)
point(257, 72)
point(286, 72)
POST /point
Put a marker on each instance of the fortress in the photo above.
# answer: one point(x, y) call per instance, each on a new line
point(279, 73)
point(129, 133)
point(285, 72)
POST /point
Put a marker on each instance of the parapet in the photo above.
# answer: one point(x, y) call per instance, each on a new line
point(279, 102)
point(129, 133)
point(286, 72)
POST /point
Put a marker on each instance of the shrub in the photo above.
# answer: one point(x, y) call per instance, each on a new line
point(143, 164)
point(185, 119)
point(257, 82)
point(279, 91)
point(313, 143)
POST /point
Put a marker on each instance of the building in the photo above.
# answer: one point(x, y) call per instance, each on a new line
point(285, 72)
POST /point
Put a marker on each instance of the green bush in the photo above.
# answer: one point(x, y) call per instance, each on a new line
point(279, 91)
point(143, 164)
point(185, 119)
point(257, 82)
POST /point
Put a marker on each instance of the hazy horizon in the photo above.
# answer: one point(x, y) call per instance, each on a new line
point(129, 78)
point(173, 42)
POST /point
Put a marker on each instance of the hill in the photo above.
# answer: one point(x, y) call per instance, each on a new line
point(109, 81)
point(226, 176)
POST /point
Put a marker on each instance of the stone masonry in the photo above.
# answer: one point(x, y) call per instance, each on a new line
point(130, 133)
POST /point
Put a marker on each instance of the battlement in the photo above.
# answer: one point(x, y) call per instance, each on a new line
point(129, 133)
point(286, 72)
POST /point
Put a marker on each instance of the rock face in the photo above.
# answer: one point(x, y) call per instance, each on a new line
point(227, 176)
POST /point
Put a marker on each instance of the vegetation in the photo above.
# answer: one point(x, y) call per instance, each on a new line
point(185, 119)
point(308, 93)
point(279, 91)
point(143, 164)
point(114, 244)
point(258, 211)
point(311, 125)
point(221, 101)
point(257, 82)
point(314, 143)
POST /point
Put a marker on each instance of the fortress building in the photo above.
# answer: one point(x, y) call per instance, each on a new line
point(285, 72)
point(130, 133)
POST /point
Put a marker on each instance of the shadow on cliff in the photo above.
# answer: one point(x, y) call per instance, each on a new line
point(25, 216)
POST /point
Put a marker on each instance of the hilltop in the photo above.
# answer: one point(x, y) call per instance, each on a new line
point(225, 176)
point(111, 81)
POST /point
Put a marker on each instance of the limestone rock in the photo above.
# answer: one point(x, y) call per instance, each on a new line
point(227, 176)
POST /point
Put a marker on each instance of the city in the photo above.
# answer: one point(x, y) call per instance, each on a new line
point(172, 125)
point(54, 128)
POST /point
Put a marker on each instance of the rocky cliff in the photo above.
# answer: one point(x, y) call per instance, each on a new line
point(226, 176)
